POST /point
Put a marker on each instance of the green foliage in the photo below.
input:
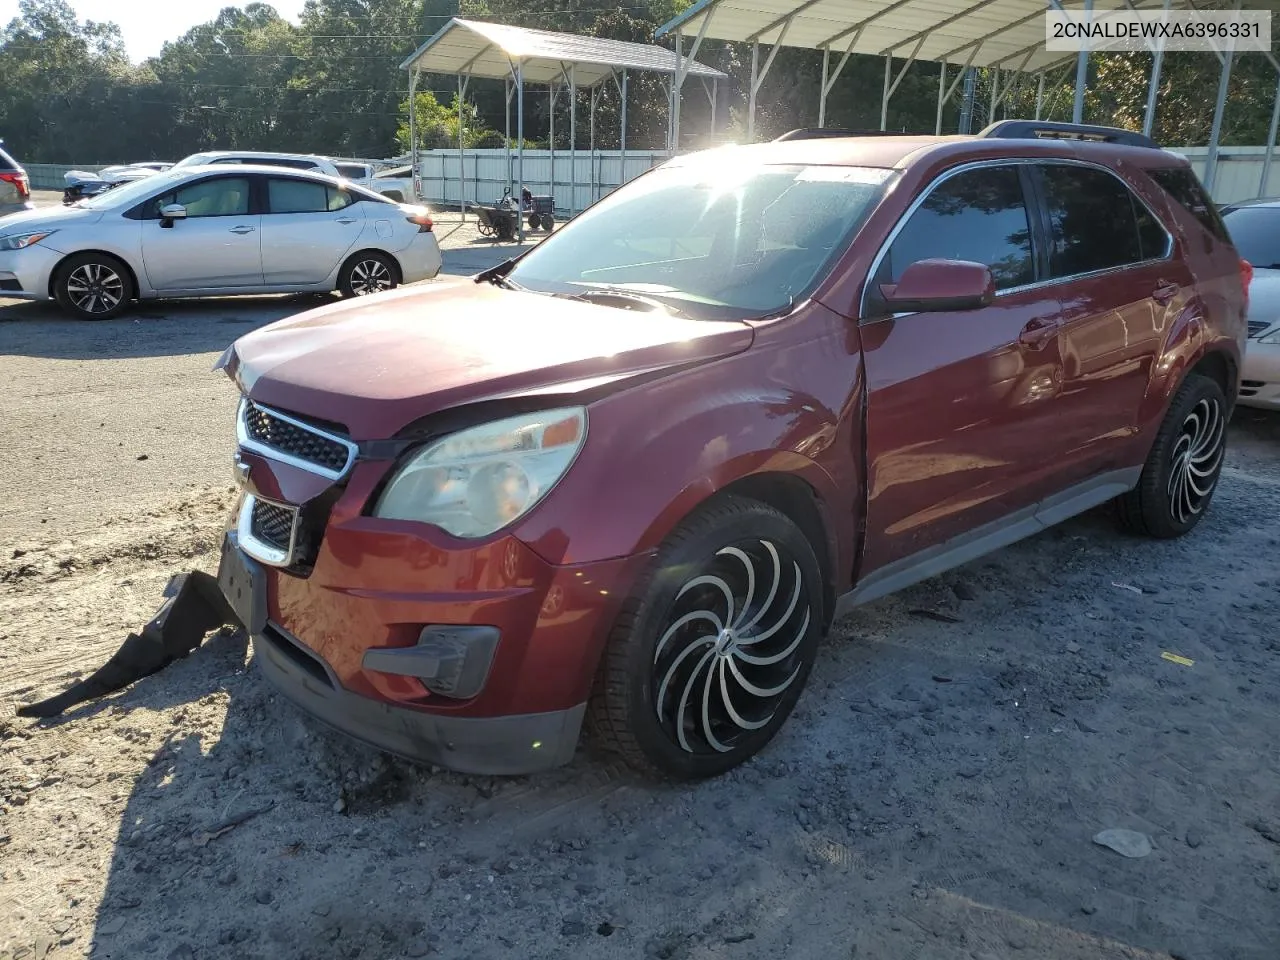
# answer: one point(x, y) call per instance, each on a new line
point(333, 85)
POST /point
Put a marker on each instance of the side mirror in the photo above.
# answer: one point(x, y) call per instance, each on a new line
point(171, 212)
point(940, 285)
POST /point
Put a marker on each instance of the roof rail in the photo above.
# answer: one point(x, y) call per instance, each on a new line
point(818, 133)
point(1044, 129)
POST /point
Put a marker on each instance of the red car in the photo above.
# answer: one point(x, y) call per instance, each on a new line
point(632, 476)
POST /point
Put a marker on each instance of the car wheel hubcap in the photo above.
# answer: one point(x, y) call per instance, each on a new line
point(730, 650)
point(370, 276)
point(95, 288)
point(1196, 456)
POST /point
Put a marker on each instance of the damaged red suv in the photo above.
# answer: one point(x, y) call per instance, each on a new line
point(631, 477)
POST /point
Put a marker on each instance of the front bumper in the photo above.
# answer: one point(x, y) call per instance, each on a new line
point(25, 274)
point(1260, 376)
point(492, 746)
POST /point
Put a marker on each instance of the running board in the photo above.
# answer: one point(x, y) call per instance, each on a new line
point(990, 537)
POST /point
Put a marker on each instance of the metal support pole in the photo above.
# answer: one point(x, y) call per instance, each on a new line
point(462, 203)
point(506, 139)
point(1211, 160)
point(942, 95)
point(822, 91)
point(676, 86)
point(520, 143)
point(414, 173)
point(551, 140)
point(715, 97)
point(573, 139)
point(1082, 70)
point(1153, 84)
point(751, 103)
point(622, 123)
point(1271, 144)
point(591, 133)
point(1040, 95)
point(995, 94)
point(884, 98)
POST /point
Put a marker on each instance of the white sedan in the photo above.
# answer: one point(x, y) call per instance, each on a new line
point(214, 231)
point(1255, 230)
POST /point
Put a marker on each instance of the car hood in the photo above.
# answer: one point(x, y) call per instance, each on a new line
point(51, 218)
point(376, 365)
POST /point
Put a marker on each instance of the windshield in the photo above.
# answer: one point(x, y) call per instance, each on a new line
point(710, 241)
point(129, 193)
point(1255, 231)
point(195, 160)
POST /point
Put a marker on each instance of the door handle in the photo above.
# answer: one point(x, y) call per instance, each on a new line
point(1164, 292)
point(1038, 332)
point(243, 230)
point(346, 220)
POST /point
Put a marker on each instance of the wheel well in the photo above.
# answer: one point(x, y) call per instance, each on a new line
point(1221, 369)
point(54, 273)
point(395, 263)
point(797, 500)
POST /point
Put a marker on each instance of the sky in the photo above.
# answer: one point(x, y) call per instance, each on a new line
point(147, 24)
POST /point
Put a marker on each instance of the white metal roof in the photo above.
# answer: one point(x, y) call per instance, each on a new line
point(489, 50)
point(1007, 33)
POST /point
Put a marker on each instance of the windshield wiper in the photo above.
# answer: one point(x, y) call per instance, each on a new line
point(606, 294)
point(497, 275)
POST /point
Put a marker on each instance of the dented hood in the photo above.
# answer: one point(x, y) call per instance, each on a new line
point(375, 365)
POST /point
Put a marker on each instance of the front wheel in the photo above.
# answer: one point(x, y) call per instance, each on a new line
point(367, 273)
point(92, 286)
point(706, 664)
point(1182, 469)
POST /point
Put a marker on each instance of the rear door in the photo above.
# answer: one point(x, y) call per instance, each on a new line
point(961, 409)
point(1110, 263)
point(217, 245)
point(308, 228)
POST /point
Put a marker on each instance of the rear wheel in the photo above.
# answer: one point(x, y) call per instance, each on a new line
point(705, 666)
point(534, 221)
point(548, 222)
point(93, 286)
point(367, 273)
point(1182, 469)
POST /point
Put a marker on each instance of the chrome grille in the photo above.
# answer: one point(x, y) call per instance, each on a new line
point(1257, 326)
point(272, 524)
point(281, 436)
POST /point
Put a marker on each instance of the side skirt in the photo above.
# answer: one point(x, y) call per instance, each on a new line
point(990, 537)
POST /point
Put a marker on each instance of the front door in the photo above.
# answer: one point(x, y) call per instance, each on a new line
point(962, 406)
point(307, 230)
point(1111, 265)
point(218, 243)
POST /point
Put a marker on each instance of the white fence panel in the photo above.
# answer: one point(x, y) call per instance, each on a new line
point(1239, 173)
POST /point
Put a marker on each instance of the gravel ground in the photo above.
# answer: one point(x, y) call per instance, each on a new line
point(934, 796)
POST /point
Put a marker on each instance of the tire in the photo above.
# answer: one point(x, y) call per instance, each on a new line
point(366, 273)
point(93, 286)
point(668, 652)
point(534, 221)
point(548, 222)
point(1182, 469)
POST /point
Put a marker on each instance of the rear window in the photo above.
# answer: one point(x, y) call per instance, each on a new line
point(1255, 231)
point(7, 162)
point(1181, 184)
point(352, 171)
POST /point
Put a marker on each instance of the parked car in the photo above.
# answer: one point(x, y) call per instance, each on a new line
point(1255, 229)
point(632, 476)
point(15, 187)
point(362, 174)
point(211, 231)
point(81, 184)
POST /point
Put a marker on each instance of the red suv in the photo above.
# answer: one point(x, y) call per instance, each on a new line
point(632, 476)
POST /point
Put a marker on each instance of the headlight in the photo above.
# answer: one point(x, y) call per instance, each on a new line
point(478, 481)
point(23, 240)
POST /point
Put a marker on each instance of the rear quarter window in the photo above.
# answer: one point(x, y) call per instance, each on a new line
point(7, 163)
point(1181, 184)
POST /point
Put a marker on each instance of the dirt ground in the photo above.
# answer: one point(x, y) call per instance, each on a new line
point(934, 796)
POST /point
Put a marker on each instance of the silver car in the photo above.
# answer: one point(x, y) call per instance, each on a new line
point(1255, 230)
point(214, 231)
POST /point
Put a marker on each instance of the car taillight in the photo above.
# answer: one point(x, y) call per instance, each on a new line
point(1246, 276)
point(422, 220)
point(20, 181)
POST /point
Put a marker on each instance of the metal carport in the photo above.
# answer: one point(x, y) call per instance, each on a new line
point(1006, 36)
point(516, 55)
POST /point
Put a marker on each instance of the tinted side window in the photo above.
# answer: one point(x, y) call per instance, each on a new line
point(296, 196)
point(1092, 220)
point(1181, 184)
point(978, 215)
point(1155, 241)
point(223, 197)
point(7, 163)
